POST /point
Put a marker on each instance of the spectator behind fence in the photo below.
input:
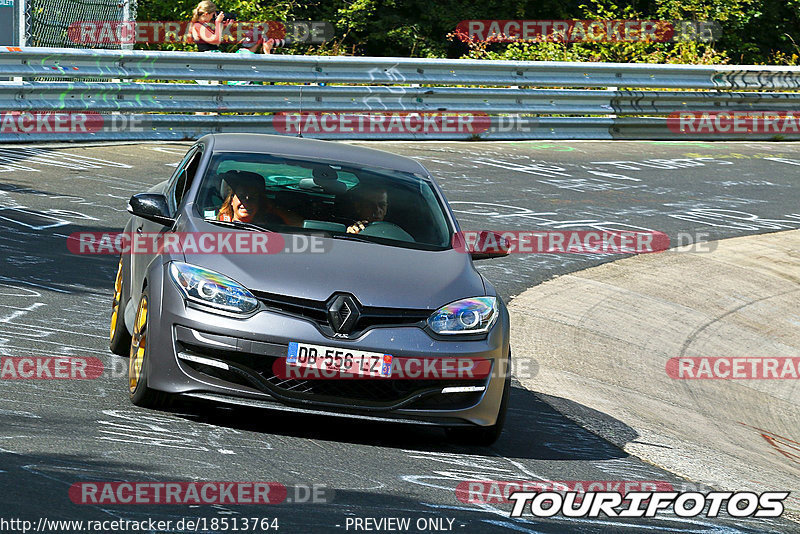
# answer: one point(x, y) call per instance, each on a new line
point(206, 39)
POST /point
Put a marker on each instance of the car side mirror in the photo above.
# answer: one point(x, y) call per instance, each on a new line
point(151, 206)
point(482, 245)
point(488, 255)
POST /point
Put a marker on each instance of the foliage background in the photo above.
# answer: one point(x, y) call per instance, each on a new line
point(753, 31)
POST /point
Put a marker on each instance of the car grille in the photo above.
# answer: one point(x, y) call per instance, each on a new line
point(256, 371)
point(317, 311)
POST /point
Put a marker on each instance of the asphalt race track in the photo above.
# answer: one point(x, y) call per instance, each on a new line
point(54, 433)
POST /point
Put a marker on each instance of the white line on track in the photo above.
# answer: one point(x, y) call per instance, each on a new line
point(19, 312)
point(51, 329)
point(17, 281)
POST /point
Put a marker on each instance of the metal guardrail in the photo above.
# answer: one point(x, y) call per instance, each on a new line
point(383, 84)
point(164, 97)
point(148, 65)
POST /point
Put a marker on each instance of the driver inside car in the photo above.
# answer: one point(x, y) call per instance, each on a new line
point(368, 204)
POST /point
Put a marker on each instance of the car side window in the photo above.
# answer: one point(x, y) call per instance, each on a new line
point(179, 167)
point(179, 183)
point(186, 178)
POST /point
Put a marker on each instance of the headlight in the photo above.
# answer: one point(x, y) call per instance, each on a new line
point(467, 316)
point(212, 288)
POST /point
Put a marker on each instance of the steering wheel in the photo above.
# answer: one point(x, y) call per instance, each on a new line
point(386, 230)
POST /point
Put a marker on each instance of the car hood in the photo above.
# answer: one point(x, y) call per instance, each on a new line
point(377, 275)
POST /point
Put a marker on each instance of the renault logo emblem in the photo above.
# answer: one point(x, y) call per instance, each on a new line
point(343, 314)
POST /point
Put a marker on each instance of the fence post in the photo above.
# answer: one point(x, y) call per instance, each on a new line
point(20, 21)
point(126, 17)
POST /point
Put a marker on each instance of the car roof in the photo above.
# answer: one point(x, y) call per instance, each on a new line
point(298, 147)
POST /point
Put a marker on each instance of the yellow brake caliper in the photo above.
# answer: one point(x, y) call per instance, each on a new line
point(117, 299)
point(138, 344)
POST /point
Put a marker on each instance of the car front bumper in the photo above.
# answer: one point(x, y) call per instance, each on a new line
point(183, 339)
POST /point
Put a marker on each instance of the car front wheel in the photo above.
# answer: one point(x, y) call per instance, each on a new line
point(119, 337)
point(141, 395)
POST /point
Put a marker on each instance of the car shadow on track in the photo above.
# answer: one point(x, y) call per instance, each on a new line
point(41, 257)
point(36, 486)
point(533, 430)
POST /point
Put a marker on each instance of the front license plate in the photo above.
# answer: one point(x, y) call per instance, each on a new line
point(337, 359)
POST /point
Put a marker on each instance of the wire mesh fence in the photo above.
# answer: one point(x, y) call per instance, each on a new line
point(48, 21)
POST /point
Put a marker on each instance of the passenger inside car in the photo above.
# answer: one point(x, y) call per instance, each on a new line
point(246, 201)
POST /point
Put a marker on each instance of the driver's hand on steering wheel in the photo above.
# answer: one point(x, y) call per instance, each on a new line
point(357, 227)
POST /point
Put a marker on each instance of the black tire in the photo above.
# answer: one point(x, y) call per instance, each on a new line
point(484, 436)
point(119, 337)
point(141, 394)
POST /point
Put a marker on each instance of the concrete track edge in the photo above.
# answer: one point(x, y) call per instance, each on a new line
point(601, 339)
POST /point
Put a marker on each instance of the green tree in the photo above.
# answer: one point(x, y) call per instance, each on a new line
point(753, 31)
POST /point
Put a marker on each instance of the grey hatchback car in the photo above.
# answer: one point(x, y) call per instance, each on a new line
point(312, 277)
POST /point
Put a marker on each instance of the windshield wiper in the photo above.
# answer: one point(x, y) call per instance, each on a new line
point(238, 224)
point(352, 237)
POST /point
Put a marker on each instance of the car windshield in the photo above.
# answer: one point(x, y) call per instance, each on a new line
point(290, 195)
